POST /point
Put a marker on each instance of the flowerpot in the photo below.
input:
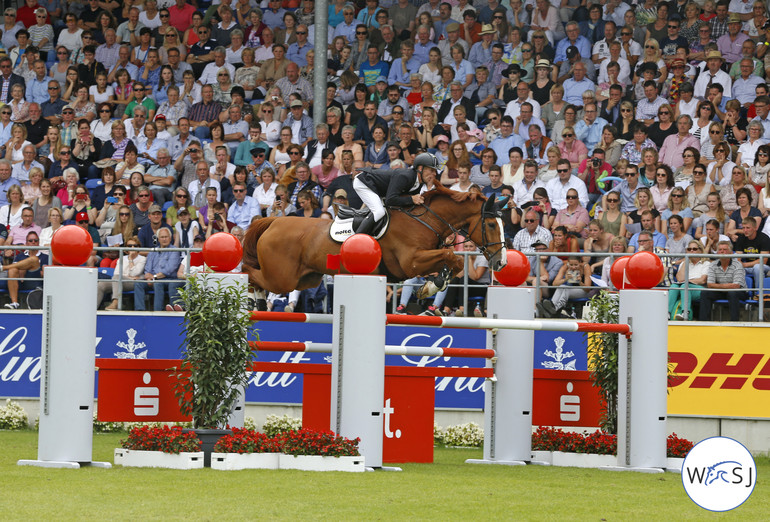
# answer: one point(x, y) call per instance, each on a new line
point(320, 463)
point(158, 459)
point(233, 461)
point(674, 464)
point(583, 460)
point(543, 456)
point(208, 438)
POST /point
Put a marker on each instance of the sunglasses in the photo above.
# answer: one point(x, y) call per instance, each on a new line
point(561, 171)
point(699, 172)
point(53, 88)
point(398, 112)
point(357, 32)
point(294, 153)
point(650, 47)
point(124, 214)
point(164, 16)
point(64, 152)
point(625, 110)
point(688, 156)
point(195, 150)
point(714, 132)
point(144, 195)
point(105, 111)
point(530, 221)
point(183, 196)
point(170, 35)
point(761, 153)
point(677, 195)
point(692, 249)
point(526, 50)
point(567, 135)
point(65, 112)
point(613, 200)
point(570, 197)
point(239, 190)
point(661, 113)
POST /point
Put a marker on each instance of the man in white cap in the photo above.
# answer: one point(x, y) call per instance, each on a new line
point(301, 124)
point(713, 74)
point(731, 43)
point(481, 52)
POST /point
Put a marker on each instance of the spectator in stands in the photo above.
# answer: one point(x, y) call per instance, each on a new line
point(52, 109)
point(752, 241)
point(148, 234)
point(21, 170)
point(725, 273)
point(18, 234)
point(300, 123)
point(161, 264)
point(532, 232)
point(627, 189)
point(141, 207)
point(27, 264)
point(204, 113)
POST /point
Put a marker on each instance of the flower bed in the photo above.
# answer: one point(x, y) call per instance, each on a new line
point(302, 449)
point(593, 450)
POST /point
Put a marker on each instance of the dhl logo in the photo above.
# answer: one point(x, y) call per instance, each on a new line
point(726, 371)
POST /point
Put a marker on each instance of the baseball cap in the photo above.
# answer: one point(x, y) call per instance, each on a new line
point(381, 79)
point(295, 103)
point(572, 51)
point(341, 193)
point(81, 216)
point(155, 208)
point(256, 151)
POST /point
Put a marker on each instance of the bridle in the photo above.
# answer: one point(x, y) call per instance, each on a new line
point(487, 212)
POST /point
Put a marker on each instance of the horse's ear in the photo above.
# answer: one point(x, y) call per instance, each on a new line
point(489, 205)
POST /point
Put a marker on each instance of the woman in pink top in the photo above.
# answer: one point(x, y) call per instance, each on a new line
point(571, 148)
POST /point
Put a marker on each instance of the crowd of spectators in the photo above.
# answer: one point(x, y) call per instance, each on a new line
point(614, 125)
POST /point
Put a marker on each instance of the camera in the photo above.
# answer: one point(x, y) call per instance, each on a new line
point(597, 162)
point(217, 215)
point(112, 199)
point(81, 196)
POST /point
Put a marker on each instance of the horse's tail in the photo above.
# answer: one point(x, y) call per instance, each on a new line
point(253, 234)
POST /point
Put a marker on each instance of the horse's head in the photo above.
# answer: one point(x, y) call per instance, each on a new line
point(486, 230)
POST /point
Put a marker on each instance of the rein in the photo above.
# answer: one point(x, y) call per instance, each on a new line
point(440, 240)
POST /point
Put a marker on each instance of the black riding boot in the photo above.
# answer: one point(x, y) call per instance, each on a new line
point(367, 225)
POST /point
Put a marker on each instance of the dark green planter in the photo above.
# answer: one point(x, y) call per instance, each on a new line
point(208, 438)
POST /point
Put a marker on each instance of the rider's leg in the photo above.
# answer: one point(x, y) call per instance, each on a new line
point(373, 201)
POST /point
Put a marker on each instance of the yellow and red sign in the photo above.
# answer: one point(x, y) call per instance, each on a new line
point(721, 371)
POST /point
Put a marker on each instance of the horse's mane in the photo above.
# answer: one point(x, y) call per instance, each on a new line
point(454, 195)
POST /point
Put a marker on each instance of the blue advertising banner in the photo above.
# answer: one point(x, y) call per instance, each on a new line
point(158, 336)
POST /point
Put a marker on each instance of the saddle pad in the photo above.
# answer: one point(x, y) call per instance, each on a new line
point(341, 229)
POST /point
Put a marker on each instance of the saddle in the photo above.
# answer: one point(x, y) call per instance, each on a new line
point(348, 219)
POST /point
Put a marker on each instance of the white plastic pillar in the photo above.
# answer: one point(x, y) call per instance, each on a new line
point(238, 414)
point(508, 397)
point(358, 362)
point(65, 438)
point(642, 381)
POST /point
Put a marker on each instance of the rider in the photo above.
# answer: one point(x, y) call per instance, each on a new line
point(399, 187)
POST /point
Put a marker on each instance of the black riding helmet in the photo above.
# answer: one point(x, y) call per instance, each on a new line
point(426, 159)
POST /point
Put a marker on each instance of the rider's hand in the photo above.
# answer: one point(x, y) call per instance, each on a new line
point(417, 199)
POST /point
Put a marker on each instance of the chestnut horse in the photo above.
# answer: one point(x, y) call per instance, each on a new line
point(287, 253)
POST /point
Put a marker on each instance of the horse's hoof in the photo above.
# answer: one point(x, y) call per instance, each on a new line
point(427, 290)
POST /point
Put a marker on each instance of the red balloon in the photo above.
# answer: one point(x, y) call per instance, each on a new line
point(361, 254)
point(71, 245)
point(222, 252)
point(645, 270)
point(616, 273)
point(515, 271)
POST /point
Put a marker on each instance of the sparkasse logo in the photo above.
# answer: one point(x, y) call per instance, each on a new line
point(719, 474)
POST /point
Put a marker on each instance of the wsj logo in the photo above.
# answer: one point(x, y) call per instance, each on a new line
point(719, 474)
point(728, 471)
point(146, 399)
point(726, 371)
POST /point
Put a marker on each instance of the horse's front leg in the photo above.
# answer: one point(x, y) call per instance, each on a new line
point(426, 262)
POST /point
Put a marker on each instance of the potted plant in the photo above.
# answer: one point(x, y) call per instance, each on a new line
point(311, 450)
point(215, 354)
point(246, 449)
point(160, 447)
